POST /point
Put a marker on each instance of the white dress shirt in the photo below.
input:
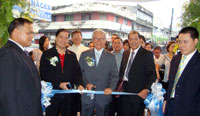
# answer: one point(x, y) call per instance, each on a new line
point(78, 50)
point(135, 52)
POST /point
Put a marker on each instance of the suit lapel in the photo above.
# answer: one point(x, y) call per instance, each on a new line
point(189, 66)
point(176, 64)
point(137, 57)
point(126, 56)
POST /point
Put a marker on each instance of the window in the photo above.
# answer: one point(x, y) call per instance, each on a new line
point(116, 19)
point(69, 17)
point(125, 22)
point(103, 17)
point(86, 16)
point(53, 18)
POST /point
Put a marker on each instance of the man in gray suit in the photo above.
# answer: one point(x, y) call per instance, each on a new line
point(99, 71)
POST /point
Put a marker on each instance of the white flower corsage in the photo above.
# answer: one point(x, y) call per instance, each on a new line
point(16, 10)
point(90, 61)
point(53, 60)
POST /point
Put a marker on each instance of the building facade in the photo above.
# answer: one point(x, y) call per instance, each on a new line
point(87, 17)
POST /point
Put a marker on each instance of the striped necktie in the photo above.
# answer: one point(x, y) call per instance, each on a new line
point(178, 74)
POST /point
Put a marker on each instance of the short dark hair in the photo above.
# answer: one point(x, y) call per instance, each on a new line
point(115, 35)
point(41, 42)
point(133, 32)
point(157, 48)
point(143, 38)
point(117, 38)
point(125, 41)
point(149, 44)
point(62, 30)
point(194, 34)
point(17, 23)
point(169, 44)
point(75, 32)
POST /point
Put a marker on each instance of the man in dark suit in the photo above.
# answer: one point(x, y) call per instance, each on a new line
point(138, 72)
point(20, 89)
point(183, 96)
point(60, 67)
point(100, 72)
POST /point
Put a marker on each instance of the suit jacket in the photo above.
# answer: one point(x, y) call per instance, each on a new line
point(20, 89)
point(103, 76)
point(142, 72)
point(187, 92)
point(71, 71)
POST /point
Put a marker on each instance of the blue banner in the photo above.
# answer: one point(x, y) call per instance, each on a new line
point(40, 10)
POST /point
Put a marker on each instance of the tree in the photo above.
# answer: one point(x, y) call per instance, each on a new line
point(191, 15)
point(6, 16)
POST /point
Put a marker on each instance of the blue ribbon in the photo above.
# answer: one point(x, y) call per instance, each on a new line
point(154, 100)
point(89, 91)
point(48, 92)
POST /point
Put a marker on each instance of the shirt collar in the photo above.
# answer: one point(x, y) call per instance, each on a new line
point(17, 44)
point(136, 50)
point(100, 51)
point(189, 56)
point(121, 51)
point(77, 46)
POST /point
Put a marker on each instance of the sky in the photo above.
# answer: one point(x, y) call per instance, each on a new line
point(162, 9)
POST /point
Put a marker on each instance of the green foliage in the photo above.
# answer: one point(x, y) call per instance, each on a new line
point(191, 16)
point(6, 16)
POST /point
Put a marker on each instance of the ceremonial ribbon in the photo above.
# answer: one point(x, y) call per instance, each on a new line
point(48, 92)
point(154, 100)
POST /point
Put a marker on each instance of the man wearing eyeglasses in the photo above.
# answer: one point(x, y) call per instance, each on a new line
point(99, 72)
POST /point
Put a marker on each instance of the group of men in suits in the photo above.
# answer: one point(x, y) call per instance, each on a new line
point(96, 70)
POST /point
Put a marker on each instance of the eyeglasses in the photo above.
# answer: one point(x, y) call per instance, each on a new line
point(99, 39)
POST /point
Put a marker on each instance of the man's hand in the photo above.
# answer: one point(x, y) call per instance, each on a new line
point(90, 86)
point(143, 94)
point(63, 85)
point(80, 87)
point(107, 91)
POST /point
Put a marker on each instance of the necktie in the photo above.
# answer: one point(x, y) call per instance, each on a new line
point(129, 64)
point(97, 58)
point(178, 75)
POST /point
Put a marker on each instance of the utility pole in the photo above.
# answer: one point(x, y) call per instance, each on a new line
point(170, 28)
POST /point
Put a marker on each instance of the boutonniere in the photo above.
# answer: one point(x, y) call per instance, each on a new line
point(90, 61)
point(53, 60)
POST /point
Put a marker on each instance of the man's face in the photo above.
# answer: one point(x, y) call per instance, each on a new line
point(157, 53)
point(61, 39)
point(99, 40)
point(134, 41)
point(186, 43)
point(91, 45)
point(117, 45)
point(142, 43)
point(76, 39)
point(24, 34)
point(148, 47)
